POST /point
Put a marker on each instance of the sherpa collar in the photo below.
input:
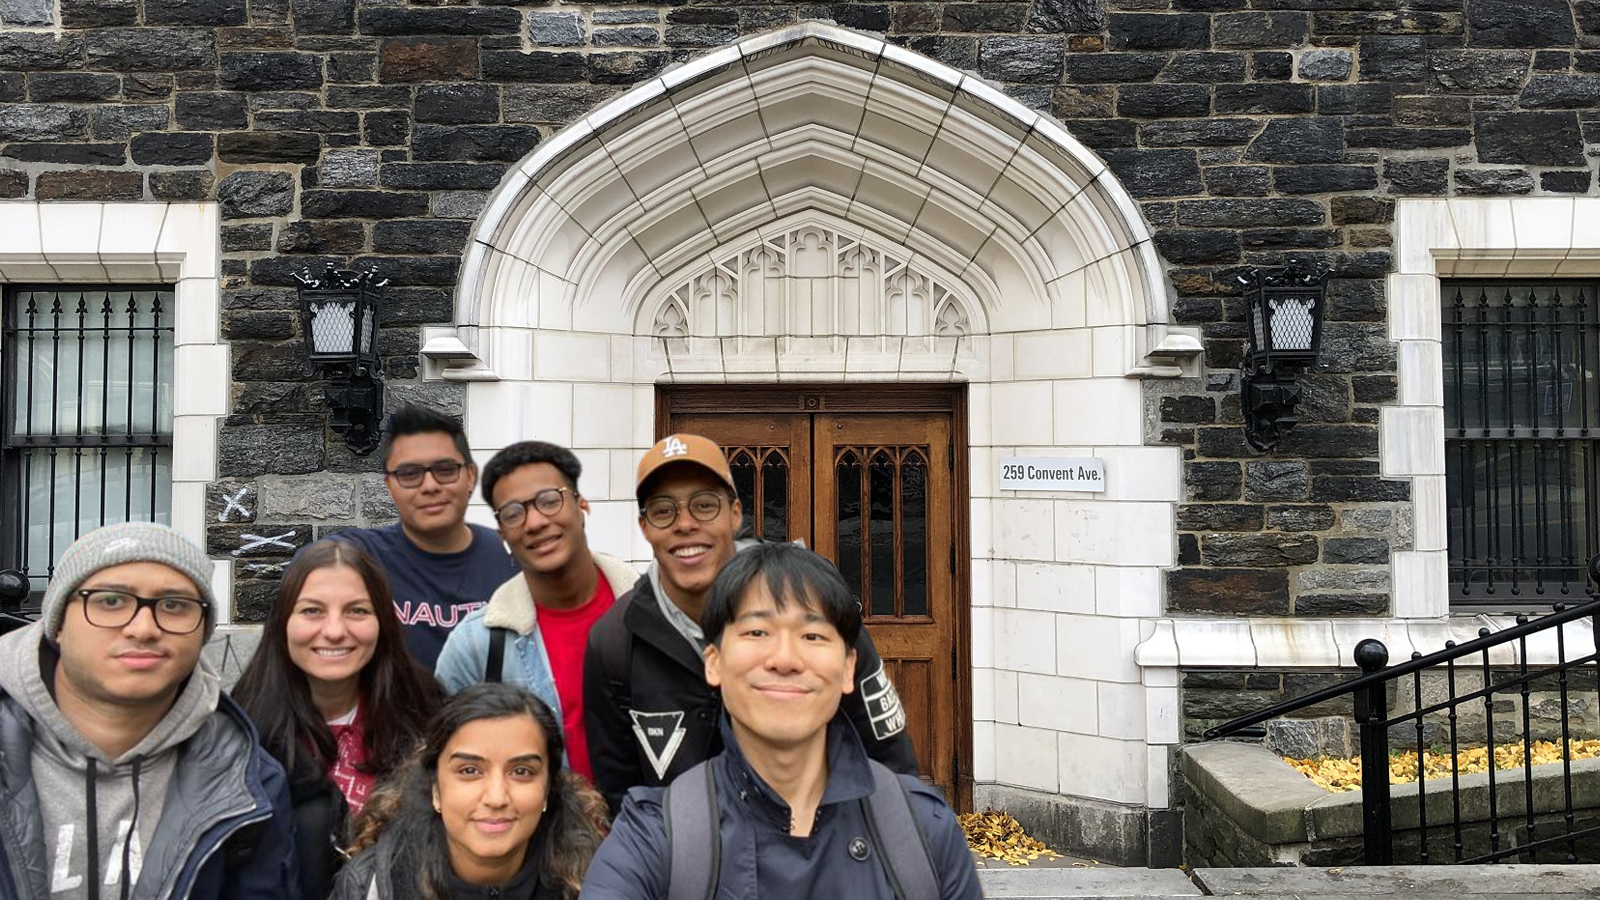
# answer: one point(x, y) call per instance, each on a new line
point(511, 605)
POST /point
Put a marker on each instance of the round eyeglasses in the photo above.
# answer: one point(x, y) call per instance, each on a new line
point(445, 471)
point(661, 512)
point(548, 502)
point(115, 609)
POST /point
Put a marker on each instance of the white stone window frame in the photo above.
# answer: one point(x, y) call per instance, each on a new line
point(167, 243)
point(1476, 237)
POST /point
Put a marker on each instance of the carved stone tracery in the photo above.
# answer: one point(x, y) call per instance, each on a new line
point(813, 281)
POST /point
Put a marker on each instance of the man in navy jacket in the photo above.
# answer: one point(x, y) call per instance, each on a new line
point(780, 627)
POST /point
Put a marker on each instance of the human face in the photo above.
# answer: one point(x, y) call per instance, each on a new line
point(137, 666)
point(782, 672)
point(490, 790)
point(333, 629)
point(690, 552)
point(543, 545)
point(431, 511)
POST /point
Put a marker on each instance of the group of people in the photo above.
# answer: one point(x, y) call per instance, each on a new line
point(438, 709)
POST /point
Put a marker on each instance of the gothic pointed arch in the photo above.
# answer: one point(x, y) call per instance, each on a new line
point(811, 124)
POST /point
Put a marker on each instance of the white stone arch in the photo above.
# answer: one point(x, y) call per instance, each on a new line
point(813, 117)
point(597, 240)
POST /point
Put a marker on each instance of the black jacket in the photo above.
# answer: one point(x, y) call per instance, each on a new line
point(320, 820)
point(650, 714)
point(760, 859)
point(381, 873)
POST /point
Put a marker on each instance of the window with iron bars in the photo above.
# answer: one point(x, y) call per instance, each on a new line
point(86, 437)
point(1520, 409)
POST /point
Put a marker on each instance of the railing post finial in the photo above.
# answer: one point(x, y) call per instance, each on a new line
point(1373, 730)
point(1371, 655)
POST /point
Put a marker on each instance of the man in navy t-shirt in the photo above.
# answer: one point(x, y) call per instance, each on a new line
point(439, 567)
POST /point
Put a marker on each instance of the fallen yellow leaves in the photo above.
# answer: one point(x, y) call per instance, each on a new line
point(997, 835)
point(1338, 774)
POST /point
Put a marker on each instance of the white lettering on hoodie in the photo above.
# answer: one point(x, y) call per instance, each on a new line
point(64, 764)
point(62, 879)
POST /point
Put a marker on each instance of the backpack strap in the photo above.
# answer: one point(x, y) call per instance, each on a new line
point(906, 858)
point(690, 806)
point(497, 656)
point(616, 655)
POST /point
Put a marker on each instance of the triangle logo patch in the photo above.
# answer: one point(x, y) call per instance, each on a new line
point(660, 735)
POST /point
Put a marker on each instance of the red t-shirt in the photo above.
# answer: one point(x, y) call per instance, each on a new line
point(566, 636)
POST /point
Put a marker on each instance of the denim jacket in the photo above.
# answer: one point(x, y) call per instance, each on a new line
point(466, 653)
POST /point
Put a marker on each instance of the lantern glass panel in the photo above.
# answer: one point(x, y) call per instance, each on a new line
point(333, 326)
point(369, 330)
point(1293, 322)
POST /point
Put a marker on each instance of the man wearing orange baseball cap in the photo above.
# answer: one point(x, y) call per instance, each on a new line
point(648, 711)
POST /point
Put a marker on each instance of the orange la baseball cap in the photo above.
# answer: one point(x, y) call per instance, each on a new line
point(684, 449)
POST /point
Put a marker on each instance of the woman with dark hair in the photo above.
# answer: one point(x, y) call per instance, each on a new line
point(485, 810)
point(337, 698)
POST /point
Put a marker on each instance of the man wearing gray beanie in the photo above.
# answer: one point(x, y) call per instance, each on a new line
point(133, 775)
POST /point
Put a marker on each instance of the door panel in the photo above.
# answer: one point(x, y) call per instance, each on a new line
point(899, 465)
point(874, 493)
point(913, 681)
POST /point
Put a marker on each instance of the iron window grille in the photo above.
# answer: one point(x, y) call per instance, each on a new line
point(86, 392)
point(1520, 405)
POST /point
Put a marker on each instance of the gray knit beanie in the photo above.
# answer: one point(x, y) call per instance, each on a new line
point(114, 545)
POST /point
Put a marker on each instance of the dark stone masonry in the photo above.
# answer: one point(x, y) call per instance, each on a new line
point(1251, 131)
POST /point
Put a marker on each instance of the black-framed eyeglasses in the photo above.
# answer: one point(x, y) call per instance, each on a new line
point(662, 511)
point(115, 609)
point(445, 471)
point(548, 502)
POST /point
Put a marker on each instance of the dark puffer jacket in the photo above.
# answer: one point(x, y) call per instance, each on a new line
point(381, 873)
point(759, 856)
point(651, 716)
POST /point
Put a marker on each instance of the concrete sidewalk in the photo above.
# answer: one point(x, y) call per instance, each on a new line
point(1512, 882)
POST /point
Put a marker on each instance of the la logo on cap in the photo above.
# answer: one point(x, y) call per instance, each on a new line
point(674, 447)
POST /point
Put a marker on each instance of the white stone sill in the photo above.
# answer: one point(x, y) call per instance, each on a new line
point(1277, 643)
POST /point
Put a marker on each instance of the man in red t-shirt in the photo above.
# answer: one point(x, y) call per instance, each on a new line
point(540, 618)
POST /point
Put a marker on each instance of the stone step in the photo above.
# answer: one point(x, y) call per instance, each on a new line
point(1090, 882)
point(1502, 882)
point(1415, 881)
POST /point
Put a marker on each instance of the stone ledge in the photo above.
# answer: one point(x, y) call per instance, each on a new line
point(1254, 787)
point(1248, 799)
point(1266, 642)
point(1094, 829)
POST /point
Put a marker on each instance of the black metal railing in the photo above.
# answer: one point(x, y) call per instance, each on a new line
point(1464, 678)
point(86, 405)
point(1522, 409)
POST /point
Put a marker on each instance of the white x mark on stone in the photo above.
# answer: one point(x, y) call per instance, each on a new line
point(233, 503)
point(256, 542)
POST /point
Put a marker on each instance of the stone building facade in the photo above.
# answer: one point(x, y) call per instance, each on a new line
point(1052, 201)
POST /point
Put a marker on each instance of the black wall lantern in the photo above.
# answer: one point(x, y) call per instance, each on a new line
point(1283, 309)
point(339, 321)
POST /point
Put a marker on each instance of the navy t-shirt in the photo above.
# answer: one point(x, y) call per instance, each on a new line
point(434, 592)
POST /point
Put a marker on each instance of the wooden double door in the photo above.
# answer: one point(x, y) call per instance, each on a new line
point(874, 490)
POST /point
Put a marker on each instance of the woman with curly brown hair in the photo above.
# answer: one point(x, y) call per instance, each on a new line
point(486, 810)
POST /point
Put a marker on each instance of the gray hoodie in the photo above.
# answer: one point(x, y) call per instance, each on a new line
point(85, 798)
